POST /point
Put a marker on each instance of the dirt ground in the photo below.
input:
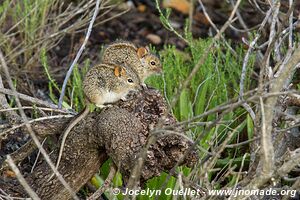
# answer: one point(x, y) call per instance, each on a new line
point(142, 26)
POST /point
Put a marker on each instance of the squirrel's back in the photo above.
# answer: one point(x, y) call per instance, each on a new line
point(121, 52)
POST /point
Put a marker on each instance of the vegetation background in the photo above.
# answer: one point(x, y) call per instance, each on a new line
point(224, 104)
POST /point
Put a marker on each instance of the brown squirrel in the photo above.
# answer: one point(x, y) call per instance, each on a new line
point(140, 59)
point(108, 83)
point(103, 84)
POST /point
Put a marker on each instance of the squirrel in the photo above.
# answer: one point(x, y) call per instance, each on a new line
point(103, 84)
point(142, 61)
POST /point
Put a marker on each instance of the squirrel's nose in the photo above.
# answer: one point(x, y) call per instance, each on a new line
point(139, 87)
point(159, 70)
point(143, 86)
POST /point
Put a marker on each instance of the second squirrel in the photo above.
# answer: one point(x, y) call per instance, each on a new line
point(142, 61)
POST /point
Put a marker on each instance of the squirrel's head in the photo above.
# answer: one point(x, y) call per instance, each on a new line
point(127, 77)
point(149, 61)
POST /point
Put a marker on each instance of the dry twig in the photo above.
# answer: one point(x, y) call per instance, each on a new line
point(108, 180)
point(21, 179)
point(29, 98)
point(89, 30)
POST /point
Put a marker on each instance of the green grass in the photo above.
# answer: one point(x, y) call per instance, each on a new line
point(216, 82)
point(30, 24)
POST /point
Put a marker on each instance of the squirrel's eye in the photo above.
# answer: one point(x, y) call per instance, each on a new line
point(152, 63)
point(130, 81)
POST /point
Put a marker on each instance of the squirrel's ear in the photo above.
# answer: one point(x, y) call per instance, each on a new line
point(142, 51)
point(119, 71)
point(123, 71)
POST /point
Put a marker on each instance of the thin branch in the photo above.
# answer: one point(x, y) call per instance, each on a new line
point(29, 98)
point(291, 8)
point(191, 14)
point(34, 120)
point(39, 108)
point(216, 28)
point(37, 157)
point(265, 67)
point(239, 173)
point(245, 63)
point(167, 24)
point(218, 152)
point(244, 30)
point(240, 18)
point(231, 104)
point(11, 115)
point(289, 165)
point(267, 148)
point(7, 196)
point(107, 182)
point(242, 143)
point(21, 179)
point(78, 54)
point(288, 128)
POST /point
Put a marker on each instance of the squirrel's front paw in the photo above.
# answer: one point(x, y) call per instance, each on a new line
point(144, 86)
point(104, 106)
point(124, 98)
